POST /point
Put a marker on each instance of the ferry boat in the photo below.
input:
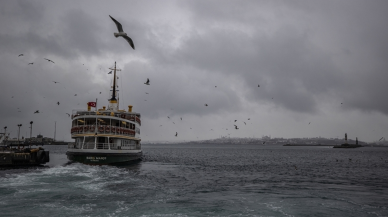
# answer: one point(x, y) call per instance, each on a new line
point(107, 135)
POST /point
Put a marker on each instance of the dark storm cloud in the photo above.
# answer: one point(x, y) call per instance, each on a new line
point(298, 70)
point(307, 56)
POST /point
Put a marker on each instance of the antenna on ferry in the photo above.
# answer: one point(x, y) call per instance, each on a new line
point(114, 85)
point(113, 101)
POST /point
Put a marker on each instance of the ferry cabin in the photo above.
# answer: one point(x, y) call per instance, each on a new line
point(106, 129)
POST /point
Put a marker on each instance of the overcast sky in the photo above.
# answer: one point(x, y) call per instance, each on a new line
point(321, 66)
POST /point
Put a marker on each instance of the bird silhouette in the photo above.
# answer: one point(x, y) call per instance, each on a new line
point(258, 85)
point(181, 118)
point(235, 127)
point(168, 117)
point(37, 111)
point(147, 82)
point(235, 120)
point(58, 103)
point(122, 33)
point(176, 134)
point(56, 82)
point(68, 114)
point(110, 72)
point(49, 60)
point(146, 93)
point(75, 94)
point(205, 104)
point(20, 55)
point(30, 63)
point(245, 123)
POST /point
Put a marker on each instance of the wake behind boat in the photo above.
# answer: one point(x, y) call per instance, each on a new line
point(107, 135)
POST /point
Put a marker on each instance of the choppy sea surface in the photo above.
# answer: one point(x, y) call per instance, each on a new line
point(205, 180)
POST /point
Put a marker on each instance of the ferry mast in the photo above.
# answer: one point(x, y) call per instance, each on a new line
point(113, 102)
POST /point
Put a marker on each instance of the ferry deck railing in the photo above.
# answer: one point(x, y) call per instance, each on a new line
point(105, 146)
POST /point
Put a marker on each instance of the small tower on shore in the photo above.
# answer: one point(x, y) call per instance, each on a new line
point(346, 138)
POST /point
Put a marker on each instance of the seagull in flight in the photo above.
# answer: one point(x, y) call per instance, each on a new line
point(110, 72)
point(49, 60)
point(176, 134)
point(56, 82)
point(20, 55)
point(37, 111)
point(30, 63)
point(235, 127)
point(68, 114)
point(205, 104)
point(58, 103)
point(122, 33)
point(148, 82)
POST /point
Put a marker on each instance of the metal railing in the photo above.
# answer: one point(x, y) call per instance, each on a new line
point(131, 117)
point(106, 146)
point(103, 129)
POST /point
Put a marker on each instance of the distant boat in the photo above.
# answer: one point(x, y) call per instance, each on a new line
point(347, 146)
point(106, 136)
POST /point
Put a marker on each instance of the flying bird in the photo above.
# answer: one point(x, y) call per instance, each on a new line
point(110, 72)
point(37, 111)
point(235, 127)
point(146, 93)
point(235, 120)
point(68, 114)
point(122, 33)
point(56, 82)
point(245, 123)
point(20, 55)
point(30, 63)
point(100, 92)
point(181, 118)
point(148, 82)
point(176, 134)
point(168, 117)
point(49, 60)
point(205, 104)
point(258, 85)
point(75, 94)
point(58, 103)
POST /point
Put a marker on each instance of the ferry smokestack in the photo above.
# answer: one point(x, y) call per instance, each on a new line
point(130, 108)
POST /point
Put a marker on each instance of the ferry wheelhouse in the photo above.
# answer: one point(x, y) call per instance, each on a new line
point(107, 135)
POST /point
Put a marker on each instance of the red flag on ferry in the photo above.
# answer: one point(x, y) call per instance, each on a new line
point(92, 104)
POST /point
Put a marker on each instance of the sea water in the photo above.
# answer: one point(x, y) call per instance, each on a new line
point(205, 180)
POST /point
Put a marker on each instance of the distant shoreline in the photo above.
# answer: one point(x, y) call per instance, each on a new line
point(306, 145)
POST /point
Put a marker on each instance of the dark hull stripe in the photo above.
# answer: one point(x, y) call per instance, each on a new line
point(103, 158)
